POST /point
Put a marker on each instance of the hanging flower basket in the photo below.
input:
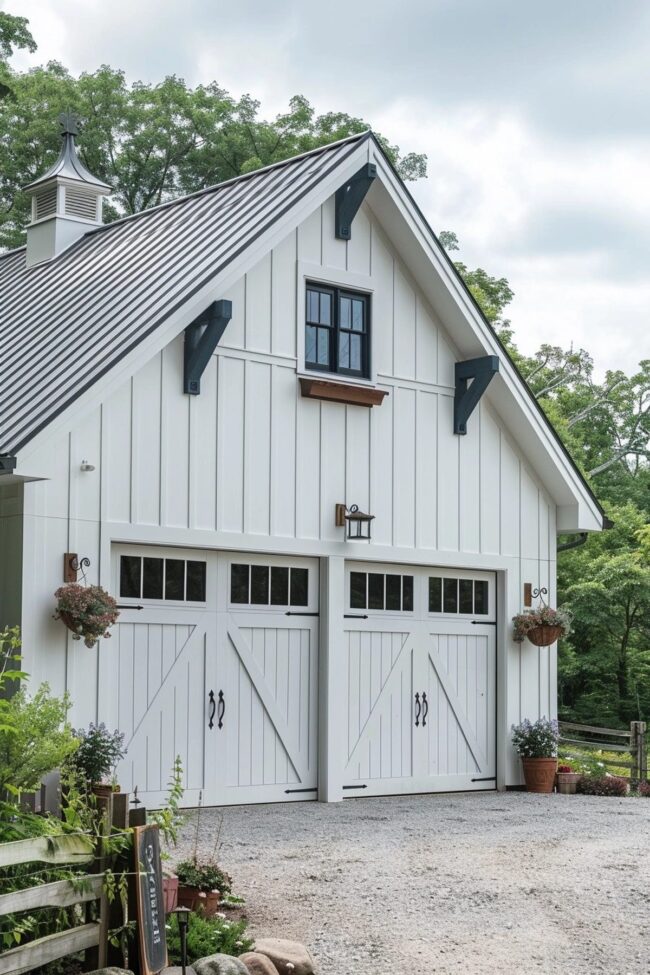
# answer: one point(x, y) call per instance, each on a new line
point(87, 611)
point(542, 626)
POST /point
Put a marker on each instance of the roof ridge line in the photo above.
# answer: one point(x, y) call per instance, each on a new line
point(360, 136)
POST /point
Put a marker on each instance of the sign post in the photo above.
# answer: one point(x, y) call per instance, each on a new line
point(149, 899)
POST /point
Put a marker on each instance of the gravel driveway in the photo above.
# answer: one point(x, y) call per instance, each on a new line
point(508, 883)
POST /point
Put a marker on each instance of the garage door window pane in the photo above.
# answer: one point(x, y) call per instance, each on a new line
point(358, 590)
point(466, 602)
point(152, 579)
point(450, 596)
point(299, 587)
point(174, 579)
point(196, 582)
point(394, 592)
point(130, 576)
point(480, 597)
point(435, 594)
point(279, 586)
point(375, 591)
point(239, 584)
point(260, 585)
point(407, 594)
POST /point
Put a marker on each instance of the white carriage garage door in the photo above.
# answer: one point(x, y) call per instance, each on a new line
point(219, 666)
point(420, 689)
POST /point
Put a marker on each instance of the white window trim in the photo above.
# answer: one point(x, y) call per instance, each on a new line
point(337, 278)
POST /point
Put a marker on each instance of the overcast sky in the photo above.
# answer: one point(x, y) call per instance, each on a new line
point(534, 116)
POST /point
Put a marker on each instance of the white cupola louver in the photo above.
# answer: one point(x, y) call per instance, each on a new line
point(66, 200)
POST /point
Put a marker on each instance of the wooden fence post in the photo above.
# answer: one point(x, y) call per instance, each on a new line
point(638, 748)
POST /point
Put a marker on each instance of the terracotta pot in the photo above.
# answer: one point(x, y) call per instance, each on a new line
point(170, 892)
point(544, 636)
point(567, 783)
point(539, 773)
point(198, 900)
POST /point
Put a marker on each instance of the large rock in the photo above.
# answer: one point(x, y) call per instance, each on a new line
point(111, 971)
point(289, 957)
point(258, 964)
point(220, 965)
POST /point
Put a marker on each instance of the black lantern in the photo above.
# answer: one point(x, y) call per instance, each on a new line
point(358, 522)
point(183, 918)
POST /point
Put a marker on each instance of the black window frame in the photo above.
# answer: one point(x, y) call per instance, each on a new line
point(335, 330)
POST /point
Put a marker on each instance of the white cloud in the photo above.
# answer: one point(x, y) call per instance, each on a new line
point(535, 120)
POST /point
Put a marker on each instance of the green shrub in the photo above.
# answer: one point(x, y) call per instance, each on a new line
point(98, 753)
point(38, 739)
point(602, 785)
point(207, 936)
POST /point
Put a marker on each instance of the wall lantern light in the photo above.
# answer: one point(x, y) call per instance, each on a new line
point(358, 522)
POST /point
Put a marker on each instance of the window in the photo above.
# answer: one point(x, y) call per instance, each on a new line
point(384, 591)
point(264, 585)
point(337, 331)
point(144, 577)
point(469, 596)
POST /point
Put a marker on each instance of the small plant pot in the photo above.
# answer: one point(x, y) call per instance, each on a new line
point(539, 774)
point(567, 783)
point(198, 900)
point(544, 636)
point(170, 892)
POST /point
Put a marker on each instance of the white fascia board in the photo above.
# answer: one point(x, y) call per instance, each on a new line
point(27, 458)
point(471, 334)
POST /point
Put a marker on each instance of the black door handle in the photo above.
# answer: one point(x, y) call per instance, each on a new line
point(213, 708)
point(222, 709)
point(425, 705)
point(418, 709)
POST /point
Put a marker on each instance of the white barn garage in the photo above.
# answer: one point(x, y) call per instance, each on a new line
point(188, 394)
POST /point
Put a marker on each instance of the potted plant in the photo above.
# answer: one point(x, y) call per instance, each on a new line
point(567, 780)
point(537, 744)
point(88, 611)
point(201, 884)
point(543, 626)
point(97, 756)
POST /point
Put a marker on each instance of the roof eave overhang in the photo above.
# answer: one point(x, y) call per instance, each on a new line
point(578, 509)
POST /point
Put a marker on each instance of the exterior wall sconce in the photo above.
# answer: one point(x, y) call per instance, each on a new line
point(358, 522)
point(85, 466)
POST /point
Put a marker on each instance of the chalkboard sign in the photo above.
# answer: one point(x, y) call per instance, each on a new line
point(150, 902)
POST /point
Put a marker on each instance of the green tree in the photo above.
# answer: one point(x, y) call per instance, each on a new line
point(152, 142)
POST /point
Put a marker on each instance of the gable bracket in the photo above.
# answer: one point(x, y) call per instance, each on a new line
point(349, 198)
point(201, 339)
point(472, 379)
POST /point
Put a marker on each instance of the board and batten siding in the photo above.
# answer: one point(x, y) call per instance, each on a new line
point(249, 463)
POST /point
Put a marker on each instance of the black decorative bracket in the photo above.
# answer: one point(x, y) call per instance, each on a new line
point(349, 198)
point(201, 339)
point(7, 464)
point(472, 379)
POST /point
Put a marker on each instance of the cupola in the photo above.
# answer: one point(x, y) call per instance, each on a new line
point(66, 200)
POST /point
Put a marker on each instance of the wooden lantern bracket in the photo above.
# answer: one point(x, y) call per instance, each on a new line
point(73, 565)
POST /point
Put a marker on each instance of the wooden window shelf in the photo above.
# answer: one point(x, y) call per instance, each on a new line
point(341, 392)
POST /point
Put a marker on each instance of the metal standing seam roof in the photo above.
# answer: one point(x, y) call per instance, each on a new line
point(66, 322)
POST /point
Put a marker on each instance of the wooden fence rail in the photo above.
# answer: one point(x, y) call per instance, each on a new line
point(635, 745)
point(69, 850)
